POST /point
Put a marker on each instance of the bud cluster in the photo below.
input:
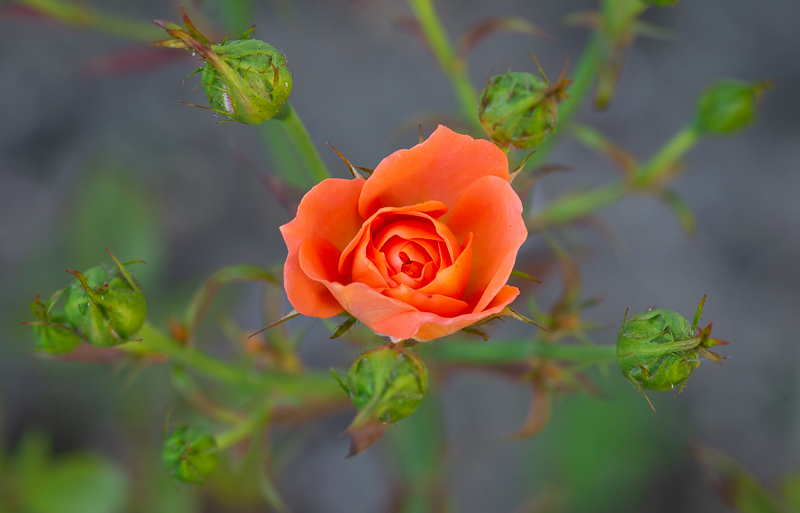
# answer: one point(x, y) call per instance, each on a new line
point(104, 306)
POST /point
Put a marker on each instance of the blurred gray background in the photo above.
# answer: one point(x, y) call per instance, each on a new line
point(88, 161)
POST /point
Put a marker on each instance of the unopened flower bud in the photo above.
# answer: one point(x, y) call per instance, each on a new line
point(106, 305)
point(190, 456)
point(520, 110)
point(658, 349)
point(246, 79)
point(386, 384)
point(728, 106)
point(250, 81)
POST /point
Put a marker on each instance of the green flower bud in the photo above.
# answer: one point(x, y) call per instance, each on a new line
point(52, 333)
point(728, 106)
point(189, 455)
point(386, 384)
point(658, 349)
point(106, 305)
point(247, 80)
point(520, 110)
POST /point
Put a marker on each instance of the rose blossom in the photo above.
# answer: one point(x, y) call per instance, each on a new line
point(421, 249)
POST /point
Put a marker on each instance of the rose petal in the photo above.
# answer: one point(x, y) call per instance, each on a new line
point(492, 211)
point(424, 302)
point(441, 168)
point(424, 326)
point(452, 281)
point(329, 210)
point(431, 208)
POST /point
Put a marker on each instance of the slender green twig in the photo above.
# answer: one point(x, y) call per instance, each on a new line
point(442, 49)
point(667, 157)
point(298, 135)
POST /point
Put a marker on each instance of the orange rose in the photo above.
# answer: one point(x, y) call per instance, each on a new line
point(421, 249)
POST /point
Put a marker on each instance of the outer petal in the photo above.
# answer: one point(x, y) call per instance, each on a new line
point(428, 326)
point(329, 210)
point(441, 168)
point(492, 211)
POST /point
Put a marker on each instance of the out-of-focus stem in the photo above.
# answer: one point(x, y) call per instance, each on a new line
point(511, 351)
point(574, 206)
point(663, 161)
point(296, 132)
point(582, 79)
point(244, 429)
point(81, 15)
point(439, 43)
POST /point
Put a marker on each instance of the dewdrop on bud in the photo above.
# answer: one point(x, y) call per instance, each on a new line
point(386, 384)
point(519, 110)
point(190, 456)
point(106, 305)
point(247, 80)
point(728, 106)
point(659, 349)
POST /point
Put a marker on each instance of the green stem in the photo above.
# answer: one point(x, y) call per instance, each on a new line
point(514, 351)
point(663, 162)
point(80, 15)
point(439, 43)
point(296, 132)
point(299, 385)
point(582, 79)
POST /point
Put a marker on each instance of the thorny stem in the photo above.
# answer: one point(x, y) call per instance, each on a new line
point(296, 132)
point(437, 39)
point(81, 15)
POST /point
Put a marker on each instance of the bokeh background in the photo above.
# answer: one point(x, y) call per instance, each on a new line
point(93, 157)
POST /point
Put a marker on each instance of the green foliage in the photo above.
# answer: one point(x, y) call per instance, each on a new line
point(604, 455)
point(73, 483)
